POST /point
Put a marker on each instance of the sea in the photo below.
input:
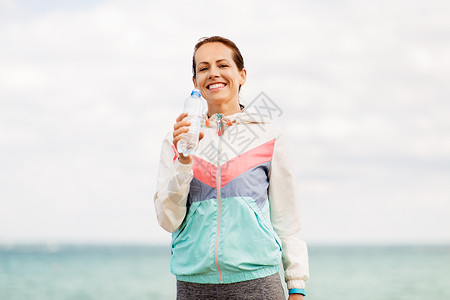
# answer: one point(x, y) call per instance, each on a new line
point(138, 272)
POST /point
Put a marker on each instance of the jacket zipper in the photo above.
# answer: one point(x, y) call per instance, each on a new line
point(219, 132)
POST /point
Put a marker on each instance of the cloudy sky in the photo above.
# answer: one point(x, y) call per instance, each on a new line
point(88, 89)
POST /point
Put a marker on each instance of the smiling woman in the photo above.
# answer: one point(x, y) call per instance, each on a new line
point(233, 211)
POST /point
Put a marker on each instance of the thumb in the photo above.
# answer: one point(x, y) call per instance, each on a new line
point(201, 135)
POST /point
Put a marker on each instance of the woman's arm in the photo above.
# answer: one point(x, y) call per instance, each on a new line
point(174, 177)
point(174, 180)
point(285, 216)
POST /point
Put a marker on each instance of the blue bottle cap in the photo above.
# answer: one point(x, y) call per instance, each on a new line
point(196, 92)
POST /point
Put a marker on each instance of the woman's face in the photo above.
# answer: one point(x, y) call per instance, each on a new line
point(218, 77)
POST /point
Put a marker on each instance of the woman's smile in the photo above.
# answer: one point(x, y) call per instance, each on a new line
point(215, 86)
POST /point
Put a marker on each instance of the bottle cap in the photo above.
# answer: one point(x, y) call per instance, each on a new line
point(196, 92)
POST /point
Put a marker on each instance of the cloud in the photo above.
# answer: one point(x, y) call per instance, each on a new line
point(88, 91)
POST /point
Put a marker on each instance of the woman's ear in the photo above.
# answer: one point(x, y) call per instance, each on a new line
point(243, 78)
point(194, 81)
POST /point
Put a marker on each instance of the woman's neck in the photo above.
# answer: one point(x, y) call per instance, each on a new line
point(224, 109)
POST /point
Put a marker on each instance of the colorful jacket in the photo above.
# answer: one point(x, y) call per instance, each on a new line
point(235, 210)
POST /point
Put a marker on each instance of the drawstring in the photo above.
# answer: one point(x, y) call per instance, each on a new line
point(219, 125)
point(221, 119)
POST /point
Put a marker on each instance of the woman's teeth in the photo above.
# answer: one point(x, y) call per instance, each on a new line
point(216, 86)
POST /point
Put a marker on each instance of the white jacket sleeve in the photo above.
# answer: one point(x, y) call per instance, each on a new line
point(285, 216)
point(172, 191)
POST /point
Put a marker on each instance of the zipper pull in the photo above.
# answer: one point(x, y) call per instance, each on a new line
point(219, 125)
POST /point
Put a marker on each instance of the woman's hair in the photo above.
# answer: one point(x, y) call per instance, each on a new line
point(237, 56)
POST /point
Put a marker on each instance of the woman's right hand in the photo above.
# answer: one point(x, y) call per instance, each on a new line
point(182, 126)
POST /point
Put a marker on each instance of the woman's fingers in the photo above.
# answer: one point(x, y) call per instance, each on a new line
point(181, 127)
point(177, 139)
point(180, 130)
point(180, 124)
point(181, 116)
point(178, 135)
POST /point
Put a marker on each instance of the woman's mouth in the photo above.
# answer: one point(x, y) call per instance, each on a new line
point(215, 86)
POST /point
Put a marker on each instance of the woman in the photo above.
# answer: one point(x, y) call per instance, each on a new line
point(233, 210)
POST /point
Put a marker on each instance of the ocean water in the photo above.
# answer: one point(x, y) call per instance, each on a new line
point(83, 272)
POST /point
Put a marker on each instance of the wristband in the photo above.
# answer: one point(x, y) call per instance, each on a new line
point(297, 291)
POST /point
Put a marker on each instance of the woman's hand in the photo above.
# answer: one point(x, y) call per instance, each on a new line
point(180, 127)
point(295, 297)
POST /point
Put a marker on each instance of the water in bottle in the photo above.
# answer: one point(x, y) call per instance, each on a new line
point(194, 107)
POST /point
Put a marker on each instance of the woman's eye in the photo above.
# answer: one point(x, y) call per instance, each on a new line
point(223, 66)
point(203, 69)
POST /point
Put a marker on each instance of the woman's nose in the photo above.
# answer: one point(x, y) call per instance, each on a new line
point(213, 73)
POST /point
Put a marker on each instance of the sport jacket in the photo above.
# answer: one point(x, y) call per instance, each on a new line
point(235, 210)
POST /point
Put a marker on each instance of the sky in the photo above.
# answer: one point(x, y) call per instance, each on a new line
point(88, 90)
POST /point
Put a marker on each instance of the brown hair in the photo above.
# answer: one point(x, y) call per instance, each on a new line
point(237, 56)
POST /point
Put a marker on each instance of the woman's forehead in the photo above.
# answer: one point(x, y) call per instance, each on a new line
point(212, 52)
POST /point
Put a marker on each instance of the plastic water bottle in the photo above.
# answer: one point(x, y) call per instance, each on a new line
point(194, 107)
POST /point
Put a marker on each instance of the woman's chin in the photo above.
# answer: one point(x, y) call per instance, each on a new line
point(216, 100)
point(219, 99)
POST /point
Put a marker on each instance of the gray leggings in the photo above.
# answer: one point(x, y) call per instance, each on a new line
point(266, 288)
